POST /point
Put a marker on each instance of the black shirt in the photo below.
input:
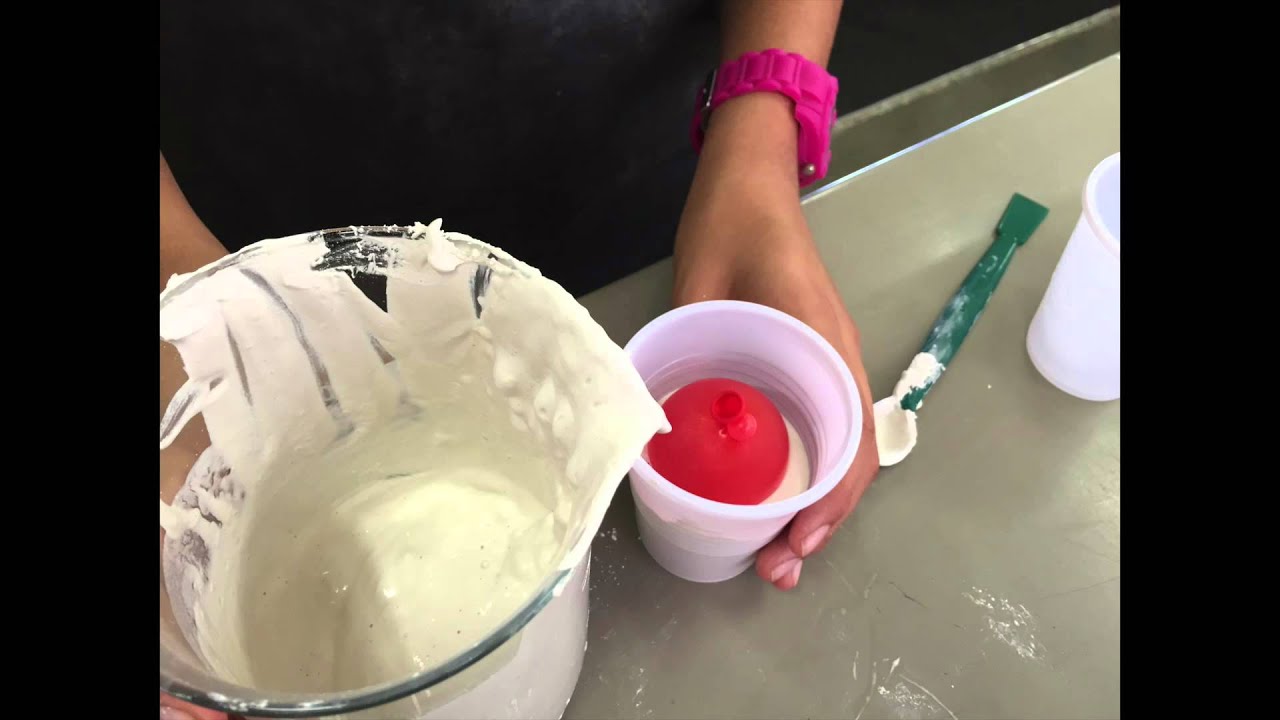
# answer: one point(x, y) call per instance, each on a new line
point(555, 129)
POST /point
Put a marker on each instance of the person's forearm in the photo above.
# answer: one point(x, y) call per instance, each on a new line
point(185, 243)
point(807, 27)
point(748, 166)
point(760, 127)
point(765, 121)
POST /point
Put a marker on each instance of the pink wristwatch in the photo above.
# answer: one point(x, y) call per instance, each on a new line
point(808, 84)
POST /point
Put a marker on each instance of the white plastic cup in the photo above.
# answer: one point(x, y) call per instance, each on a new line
point(1074, 340)
point(707, 541)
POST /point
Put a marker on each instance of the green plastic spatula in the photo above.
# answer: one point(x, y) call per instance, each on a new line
point(1020, 220)
point(896, 414)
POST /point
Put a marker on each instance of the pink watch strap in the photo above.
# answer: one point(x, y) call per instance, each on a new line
point(809, 85)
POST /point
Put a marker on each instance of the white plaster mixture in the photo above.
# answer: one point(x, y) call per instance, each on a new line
point(796, 478)
point(896, 432)
point(384, 488)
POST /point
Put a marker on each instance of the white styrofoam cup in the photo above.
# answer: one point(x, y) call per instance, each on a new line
point(707, 541)
point(1074, 339)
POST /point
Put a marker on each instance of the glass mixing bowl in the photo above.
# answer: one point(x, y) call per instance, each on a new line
point(182, 673)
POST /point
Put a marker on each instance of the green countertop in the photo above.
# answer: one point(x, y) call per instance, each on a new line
point(979, 578)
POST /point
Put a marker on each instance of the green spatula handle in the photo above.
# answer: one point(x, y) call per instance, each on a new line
point(1020, 220)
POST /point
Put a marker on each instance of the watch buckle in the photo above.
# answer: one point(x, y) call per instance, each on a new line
point(708, 92)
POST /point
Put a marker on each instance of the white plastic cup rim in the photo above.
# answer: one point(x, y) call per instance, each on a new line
point(1090, 203)
point(792, 505)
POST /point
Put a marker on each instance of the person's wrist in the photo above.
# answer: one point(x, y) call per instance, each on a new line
point(731, 230)
point(736, 212)
point(745, 199)
point(753, 135)
point(746, 174)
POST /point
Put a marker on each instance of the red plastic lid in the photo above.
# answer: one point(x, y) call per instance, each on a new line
point(727, 443)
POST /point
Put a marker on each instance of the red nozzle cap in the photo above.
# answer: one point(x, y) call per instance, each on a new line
point(730, 412)
point(727, 443)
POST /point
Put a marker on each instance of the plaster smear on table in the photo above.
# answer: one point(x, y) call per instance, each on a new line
point(902, 697)
point(1011, 624)
point(637, 677)
point(896, 431)
point(406, 479)
point(909, 700)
